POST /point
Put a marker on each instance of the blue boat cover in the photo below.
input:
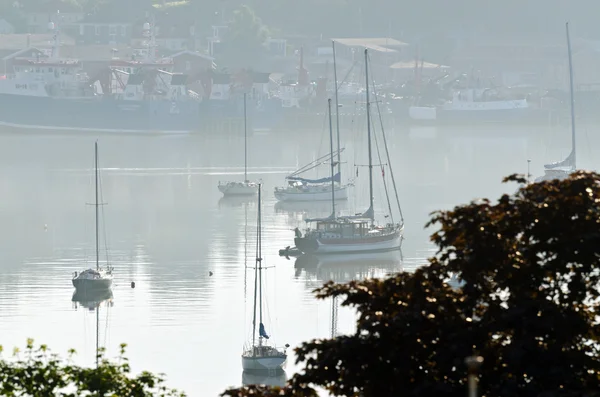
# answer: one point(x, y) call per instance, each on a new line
point(336, 178)
point(262, 332)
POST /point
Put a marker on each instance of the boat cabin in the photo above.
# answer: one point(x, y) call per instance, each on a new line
point(345, 228)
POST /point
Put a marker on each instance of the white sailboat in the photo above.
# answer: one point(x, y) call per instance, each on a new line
point(353, 234)
point(98, 278)
point(303, 189)
point(261, 355)
point(245, 188)
point(562, 169)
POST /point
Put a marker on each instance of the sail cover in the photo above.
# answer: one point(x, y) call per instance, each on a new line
point(568, 162)
point(262, 332)
point(336, 178)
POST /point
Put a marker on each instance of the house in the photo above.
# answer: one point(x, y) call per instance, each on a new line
point(28, 46)
point(60, 12)
point(91, 32)
point(6, 27)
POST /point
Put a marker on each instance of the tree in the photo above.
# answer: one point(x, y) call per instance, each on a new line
point(36, 372)
point(244, 41)
point(529, 264)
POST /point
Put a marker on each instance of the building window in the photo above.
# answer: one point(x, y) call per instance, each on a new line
point(81, 29)
point(112, 30)
point(188, 66)
point(98, 30)
point(123, 30)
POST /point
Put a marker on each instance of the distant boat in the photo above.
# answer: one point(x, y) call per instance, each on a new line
point(562, 169)
point(245, 188)
point(304, 189)
point(260, 355)
point(353, 234)
point(98, 278)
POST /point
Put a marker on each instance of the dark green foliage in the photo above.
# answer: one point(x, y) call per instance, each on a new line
point(244, 41)
point(530, 267)
point(38, 373)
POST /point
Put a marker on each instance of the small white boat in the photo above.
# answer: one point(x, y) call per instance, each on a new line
point(245, 188)
point(299, 191)
point(303, 189)
point(260, 355)
point(94, 279)
point(91, 280)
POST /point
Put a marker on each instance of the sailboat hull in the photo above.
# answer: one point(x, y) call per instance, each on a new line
point(92, 285)
point(238, 189)
point(263, 363)
point(315, 245)
point(313, 193)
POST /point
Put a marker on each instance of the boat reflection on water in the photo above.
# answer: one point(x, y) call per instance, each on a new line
point(264, 378)
point(91, 299)
point(343, 268)
point(235, 201)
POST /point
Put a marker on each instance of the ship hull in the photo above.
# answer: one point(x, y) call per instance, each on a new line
point(108, 115)
point(389, 242)
point(263, 363)
point(312, 194)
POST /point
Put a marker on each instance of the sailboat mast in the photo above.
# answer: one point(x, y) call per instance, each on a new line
point(371, 209)
point(332, 161)
point(97, 205)
point(260, 258)
point(245, 143)
point(573, 150)
point(337, 113)
point(256, 277)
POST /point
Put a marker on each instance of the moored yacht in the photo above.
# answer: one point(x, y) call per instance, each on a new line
point(245, 188)
point(261, 355)
point(358, 233)
point(94, 279)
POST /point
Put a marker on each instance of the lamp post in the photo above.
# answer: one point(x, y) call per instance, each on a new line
point(473, 364)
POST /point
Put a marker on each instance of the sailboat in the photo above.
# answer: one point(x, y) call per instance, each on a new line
point(98, 278)
point(245, 188)
point(353, 234)
point(261, 356)
point(562, 169)
point(304, 189)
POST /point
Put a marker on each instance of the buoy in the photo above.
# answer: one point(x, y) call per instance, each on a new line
point(133, 284)
point(210, 273)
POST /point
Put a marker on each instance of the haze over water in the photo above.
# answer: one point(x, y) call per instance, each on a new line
point(167, 227)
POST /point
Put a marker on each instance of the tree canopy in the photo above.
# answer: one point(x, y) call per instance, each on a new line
point(244, 41)
point(39, 373)
point(529, 266)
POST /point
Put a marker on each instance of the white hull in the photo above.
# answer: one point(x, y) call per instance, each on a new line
point(263, 363)
point(311, 194)
point(317, 246)
point(238, 189)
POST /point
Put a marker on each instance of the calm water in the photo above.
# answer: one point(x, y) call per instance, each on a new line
point(167, 227)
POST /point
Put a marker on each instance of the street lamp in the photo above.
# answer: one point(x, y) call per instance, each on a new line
point(473, 364)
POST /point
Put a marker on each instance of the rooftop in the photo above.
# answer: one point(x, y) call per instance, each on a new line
point(379, 44)
point(25, 40)
point(412, 64)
